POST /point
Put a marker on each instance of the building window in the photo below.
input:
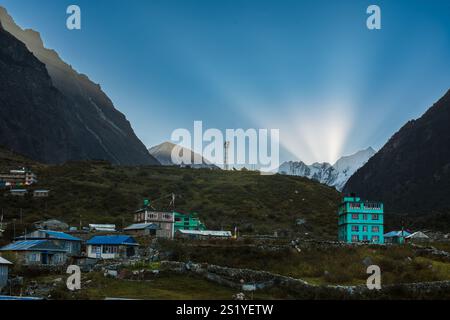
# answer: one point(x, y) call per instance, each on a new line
point(372, 206)
point(152, 215)
point(364, 216)
point(375, 229)
point(355, 238)
point(375, 239)
point(355, 228)
point(365, 228)
point(355, 216)
point(33, 257)
point(374, 217)
point(96, 249)
point(365, 238)
point(355, 206)
point(110, 249)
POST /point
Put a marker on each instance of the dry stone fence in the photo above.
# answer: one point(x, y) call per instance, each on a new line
point(300, 289)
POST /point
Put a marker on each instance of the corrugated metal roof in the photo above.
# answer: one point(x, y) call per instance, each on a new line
point(19, 298)
point(418, 234)
point(60, 235)
point(4, 261)
point(103, 227)
point(207, 233)
point(96, 225)
point(57, 235)
point(141, 226)
point(22, 245)
point(113, 240)
point(396, 234)
point(28, 245)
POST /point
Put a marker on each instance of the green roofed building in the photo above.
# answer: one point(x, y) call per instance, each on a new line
point(164, 224)
point(189, 221)
point(360, 221)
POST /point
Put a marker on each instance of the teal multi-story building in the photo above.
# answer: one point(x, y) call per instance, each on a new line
point(188, 222)
point(360, 221)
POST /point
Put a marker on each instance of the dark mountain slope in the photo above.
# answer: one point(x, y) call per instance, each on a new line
point(411, 173)
point(85, 123)
point(34, 114)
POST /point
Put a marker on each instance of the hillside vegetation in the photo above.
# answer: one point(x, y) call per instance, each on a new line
point(319, 264)
point(10, 160)
point(97, 192)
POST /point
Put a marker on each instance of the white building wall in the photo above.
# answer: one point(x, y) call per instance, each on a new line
point(96, 252)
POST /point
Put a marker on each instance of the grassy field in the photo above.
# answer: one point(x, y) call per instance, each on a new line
point(10, 160)
point(320, 264)
point(165, 286)
point(171, 287)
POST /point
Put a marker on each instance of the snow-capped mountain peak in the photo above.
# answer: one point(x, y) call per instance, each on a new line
point(163, 152)
point(333, 175)
point(348, 165)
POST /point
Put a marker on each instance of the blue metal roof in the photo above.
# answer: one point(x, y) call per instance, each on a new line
point(50, 234)
point(19, 298)
point(60, 235)
point(141, 226)
point(22, 245)
point(396, 234)
point(112, 240)
point(32, 245)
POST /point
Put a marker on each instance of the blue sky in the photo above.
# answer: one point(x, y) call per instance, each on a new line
point(309, 68)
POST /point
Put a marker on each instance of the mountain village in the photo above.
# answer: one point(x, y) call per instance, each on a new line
point(53, 245)
point(89, 212)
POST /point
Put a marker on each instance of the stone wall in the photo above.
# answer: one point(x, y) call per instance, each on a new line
point(300, 289)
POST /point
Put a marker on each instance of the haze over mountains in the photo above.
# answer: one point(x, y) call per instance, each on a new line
point(411, 173)
point(51, 113)
point(333, 175)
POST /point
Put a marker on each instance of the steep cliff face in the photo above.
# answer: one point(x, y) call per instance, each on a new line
point(33, 112)
point(84, 118)
point(411, 173)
